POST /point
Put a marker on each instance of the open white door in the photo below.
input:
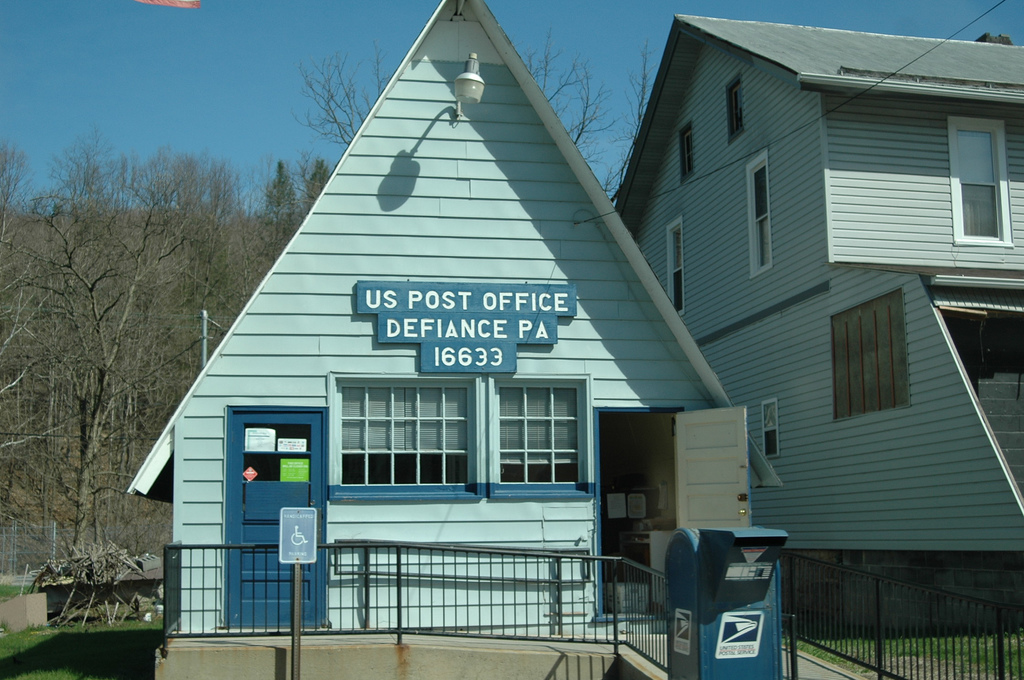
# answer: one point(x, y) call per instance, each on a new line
point(712, 483)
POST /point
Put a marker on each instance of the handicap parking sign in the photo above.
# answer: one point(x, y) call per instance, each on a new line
point(297, 542)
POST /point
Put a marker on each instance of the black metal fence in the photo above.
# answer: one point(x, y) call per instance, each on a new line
point(408, 588)
point(900, 630)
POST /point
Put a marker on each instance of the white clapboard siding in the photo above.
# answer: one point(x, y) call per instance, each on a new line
point(889, 183)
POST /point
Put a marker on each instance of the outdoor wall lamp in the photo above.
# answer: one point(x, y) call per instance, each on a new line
point(469, 86)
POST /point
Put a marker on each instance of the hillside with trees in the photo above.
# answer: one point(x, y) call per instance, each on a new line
point(104, 272)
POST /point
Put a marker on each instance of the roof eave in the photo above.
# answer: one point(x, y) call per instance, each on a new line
point(858, 85)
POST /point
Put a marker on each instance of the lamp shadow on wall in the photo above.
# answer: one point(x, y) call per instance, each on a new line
point(398, 185)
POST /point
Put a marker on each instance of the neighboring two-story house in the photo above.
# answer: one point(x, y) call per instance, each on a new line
point(839, 219)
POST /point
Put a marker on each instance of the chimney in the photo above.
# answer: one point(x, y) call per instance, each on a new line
point(1001, 39)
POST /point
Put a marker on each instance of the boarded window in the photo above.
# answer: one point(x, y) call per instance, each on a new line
point(869, 357)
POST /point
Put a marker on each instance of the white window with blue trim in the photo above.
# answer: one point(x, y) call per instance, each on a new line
point(430, 438)
point(414, 437)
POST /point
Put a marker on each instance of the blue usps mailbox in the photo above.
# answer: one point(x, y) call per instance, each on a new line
point(297, 542)
point(724, 603)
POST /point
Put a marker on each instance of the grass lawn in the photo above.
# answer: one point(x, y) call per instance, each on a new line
point(94, 652)
point(11, 592)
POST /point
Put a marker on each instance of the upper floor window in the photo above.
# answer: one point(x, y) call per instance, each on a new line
point(734, 106)
point(869, 357)
point(759, 214)
point(978, 178)
point(404, 435)
point(675, 265)
point(685, 152)
point(539, 434)
point(770, 427)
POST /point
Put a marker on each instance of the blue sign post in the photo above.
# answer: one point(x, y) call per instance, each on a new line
point(297, 542)
point(297, 546)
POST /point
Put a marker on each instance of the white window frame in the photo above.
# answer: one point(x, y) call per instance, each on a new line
point(772, 404)
point(759, 264)
point(339, 452)
point(1004, 229)
point(674, 263)
point(579, 419)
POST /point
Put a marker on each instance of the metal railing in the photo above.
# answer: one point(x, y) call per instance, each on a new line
point(409, 588)
point(900, 630)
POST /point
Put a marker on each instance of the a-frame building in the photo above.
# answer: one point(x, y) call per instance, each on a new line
point(461, 343)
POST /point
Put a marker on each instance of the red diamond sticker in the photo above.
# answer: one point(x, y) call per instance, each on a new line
point(249, 474)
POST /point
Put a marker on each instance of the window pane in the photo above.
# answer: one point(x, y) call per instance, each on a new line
point(764, 246)
point(511, 402)
point(537, 405)
point(513, 472)
point(980, 210)
point(378, 437)
point(405, 403)
point(566, 472)
point(565, 435)
point(761, 191)
point(539, 473)
point(430, 402)
point(512, 435)
point(455, 402)
point(564, 403)
point(405, 468)
point(431, 468)
point(379, 471)
point(430, 436)
point(975, 147)
point(538, 435)
point(405, 436)
point(353, 469)
point(456, 436)
point(456, 469)
point(380, 402)
point(352, 435)
point(352, 402)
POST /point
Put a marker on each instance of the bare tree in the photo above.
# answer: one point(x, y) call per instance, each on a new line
point(15, 311)
point(341, 95)
point(580, 100)
point(640, 82)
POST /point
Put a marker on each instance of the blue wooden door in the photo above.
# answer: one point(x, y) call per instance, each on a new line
point(276, 459)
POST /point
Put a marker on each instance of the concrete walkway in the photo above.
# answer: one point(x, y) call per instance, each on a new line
point(423, 657)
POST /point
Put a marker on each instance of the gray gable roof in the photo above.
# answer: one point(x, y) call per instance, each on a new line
point(815, 59)
point(809, 51)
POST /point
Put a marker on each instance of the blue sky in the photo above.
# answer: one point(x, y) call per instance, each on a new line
point(224, 79)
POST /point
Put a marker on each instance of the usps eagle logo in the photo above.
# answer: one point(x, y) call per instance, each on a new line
point(739, 635)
